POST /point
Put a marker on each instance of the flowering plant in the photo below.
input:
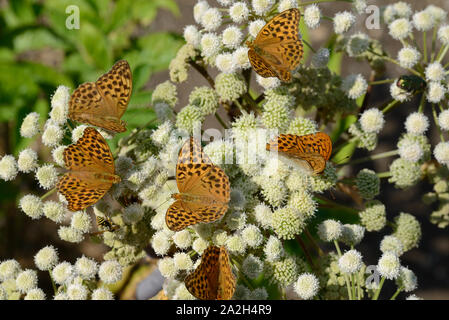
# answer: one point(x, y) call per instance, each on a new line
point(284, 229)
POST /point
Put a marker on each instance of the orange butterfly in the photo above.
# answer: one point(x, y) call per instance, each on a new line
point(102, 103)
point(204, 189)
point(277, 49)
point(213, 278)
point(312, 150)
point(92, 171)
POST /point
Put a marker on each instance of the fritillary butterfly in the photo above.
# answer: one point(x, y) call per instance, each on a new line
point(277, 49)
point(213, 278)
point(204, 189)
point(102, 103)
point(311, 150)
point(91, 171)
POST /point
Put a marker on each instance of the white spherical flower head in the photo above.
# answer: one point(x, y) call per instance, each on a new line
point(8, 168)
point(350, 262)
point(268, 83)
point(211, 19)
point(182, 239)
point(62, 273)
point(287, 4)
point(400, 28)
point(78, 132)
point(58, 155)
point(408, 57)
point(443, 34)
point(46, 258)
point(210, 44)
point(438, 14)
point(352, 234)
point(392, 244)
point(307, 286)
point(232, 37)
point(77, 291)
point(235, 244)
point(9, 269)
point(252, 236)
point(81, 221)
point(86, 268)
point(27, 160)
point(372, 120)
point(52, 135)
point(359, 6)
point(312, 16)
point(354, 86)
point(192, 35)
point(443, 120)
point(239, 12)
point(343, 21)
point(330, 230)
point(240, 56)
point(416, 123)
point(262, 6)
point(35, 294)
point(182, 261)
point(389, 265)
point(225, 63)
point(321, 58)
point(423, 20)
point(160, 242)
point(407, 280)
point(110, 271)
point(102, 294)
point(199, 9)
point(54, 211)
point(133, 213)
point(411, 151)
point(435, 72)
point(255, 26)
point(398, 93)
point(435, 92)
point(167, 267)
point(60, 105)
point(70, 234)
point(441, 153)
point(31, 205)
point(26, 280)
point(30, 125)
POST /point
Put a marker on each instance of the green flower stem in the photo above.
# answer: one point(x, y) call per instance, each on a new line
point(373, 83)
point(353, 285)
point(435, 118)
point(424, 40)
point(442, 53)
point(390, 106)
point(359, 289)
point(203, 72)
point(374, 157)
point(223, 124)
point(332, 204)
point(252, 104)
point(312, 240)
point(434, 40)
point(309, 45)
point(321, 1)
point(306, 252)
point(393, 297)
point(49, 193)
point(241, 275)
point(52, 282)
point(384, 174)
point(422, 104)
point(348, 286)
point(394, 61)
point(376, 295)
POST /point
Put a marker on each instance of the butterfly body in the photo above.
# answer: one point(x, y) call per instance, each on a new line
point(102, 103)
point(91, 171)
point(311, 151)
point(204, 189)
point(277, 49)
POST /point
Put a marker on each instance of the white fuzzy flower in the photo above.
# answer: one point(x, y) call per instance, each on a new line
point(372, 120)
point(321, 58)
point(160, 242)
point(60, 105)
point(232, 37)
point(441, 153)
point(62, 273)
point(133, 213)
point(58, 155)
point(400, 28)
point(9, 269)
point(407, 280)
point(287, 4)
point(438, 14)
point(252, 236)
point(408, 57)
point(86, 268)
point(329, 230)
point(255, 26)
point(46, 258)
point(416, 123)
point(443, 120)
point(47, 175)
point(27, 160)
point(435, 72)
point(210, 44)
point(81, 221)
point(26, 280)
point(76, 291)
point(411, 151)
point(110, 271)
point(312, 16)
point(54, 211)
point(398, 93)
point(389, 265)
point(30, 125)
point(225, 63)
point(52, 135)
point(239, 12)
point(343, 21)
point(392, 244)
point(182, 239)
point(262, 6)
point(443, 34)
point(236, 244)
point(273, 249)
point(35, 294)
point(182, 261)
point(167, 267)
point(211, 19)
point(8, 168)
point(268, 83)
point(350, 262)
point(435, 92)
point(199, 9)
point(423, 20)
point(78, 132)
point(70, 234)
point(359, 6)
point(307, 286)
point(31, 205)
point(192, 35)
point(354, 86)
point(240, 56)
point(102, 294)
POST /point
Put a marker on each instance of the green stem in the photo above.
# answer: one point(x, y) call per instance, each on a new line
point(309, 45)
point(424, 40)
point(422, 104)
point(312, 240)
point(49, 193)
point(223, 124)
point(348, 286)
point(442, 53)
point(386, 174)
point(373, 83)
point(435, 118)
point(373, 157)
point(390, 106)
point(353, 285)
point(376, 295)
point(333, 204)
point(52, 282)
point(393, 297)
point(434, 40)
point(394, 61)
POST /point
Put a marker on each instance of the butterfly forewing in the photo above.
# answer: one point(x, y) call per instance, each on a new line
point(102, 103)
point(213, 278)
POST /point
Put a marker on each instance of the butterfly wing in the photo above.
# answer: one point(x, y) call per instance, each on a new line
point(226, 279)
point(319, 143)
point(260, 65)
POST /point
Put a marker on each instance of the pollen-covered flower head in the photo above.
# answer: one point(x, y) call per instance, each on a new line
point(8, 167)
point(35, 294)
point(443, 120)
point(407, 279)
point(52, 135)
point(86, 268)
point(392, 244)
point(416, 123)
point(307, 286)
point(27, 160)
point(26, 280)
point(373, 218)
point(9, 269)
point(62, 272)
point(330, 230)
point(443, 34)
point(102, 294)
point(239, 12)
point(110, 271)
point(262, 6)
point(255, 26)
point(46, 258)
point(60, 105)
point(30, 125)
point(252, 266)
point(81, 221)
point(192, 35)
point(182, 261)
point(70, 234)
point(435, 72)
point(343, 21)
point(423, 20)
point(230, 86)
point(410, 150)
point(350, 262)
point(372, 120)
point(189, 118)
point(225, 63)
point(283, 272)
point(354, 86)
point(400, 28)
point(352, 234)
point(199, 9)
point(389, 265)
point(312, 16)
point(435, 92)
point(31, 205)
point(211, 19)
point(441, 153)
point(408, 57)
point(407, 230)
point(232, 37)
point(268, 83)
point(77, 291)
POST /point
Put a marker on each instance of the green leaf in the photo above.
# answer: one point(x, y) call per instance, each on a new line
point(36, 38)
